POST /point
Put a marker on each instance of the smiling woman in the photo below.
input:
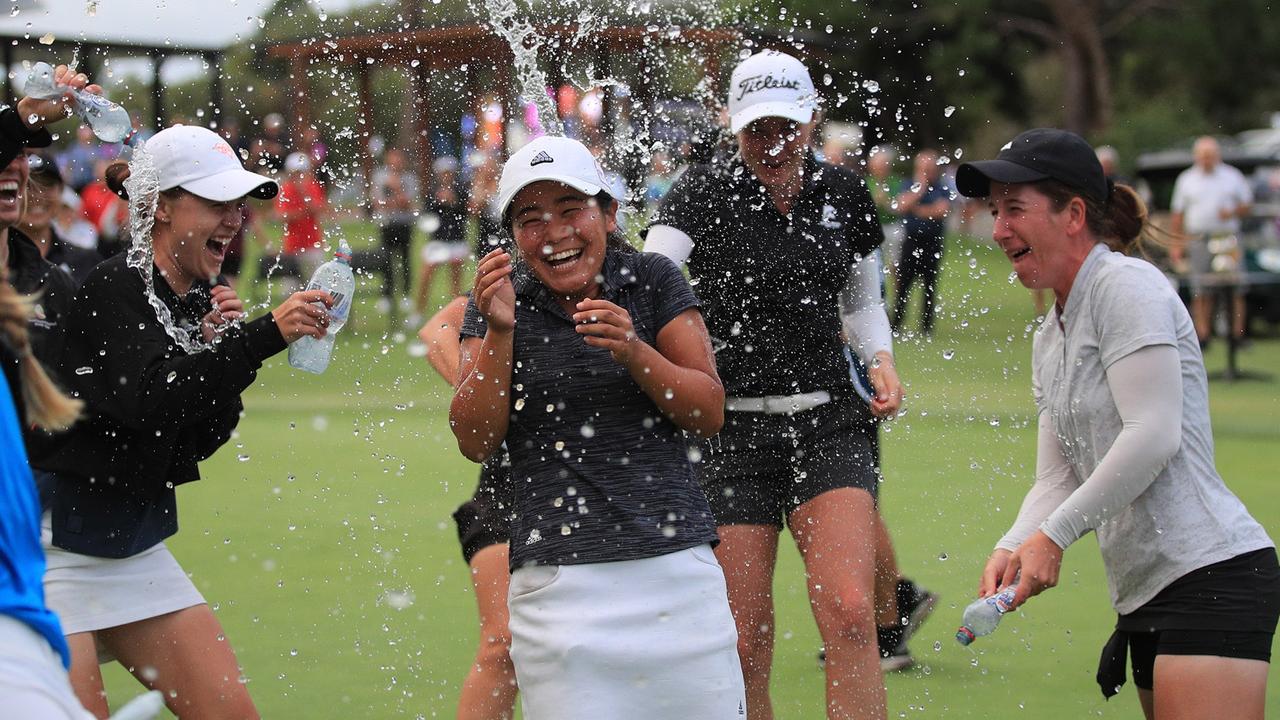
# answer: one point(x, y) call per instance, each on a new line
point(1125, 447)
point(591, 362)
point(160, 396)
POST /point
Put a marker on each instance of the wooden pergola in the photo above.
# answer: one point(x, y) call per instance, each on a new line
point(474, 46)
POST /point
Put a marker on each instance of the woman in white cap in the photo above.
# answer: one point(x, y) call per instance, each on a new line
point(783, 249)
point(157, 350)
point(591, 361)
point(1125, 445)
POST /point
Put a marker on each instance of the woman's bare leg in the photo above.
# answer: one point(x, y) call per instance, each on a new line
point(489, 692)
point(747, 554)
point(184, 655)
point(836, 536)
point(85, 675)
point(1194, 687)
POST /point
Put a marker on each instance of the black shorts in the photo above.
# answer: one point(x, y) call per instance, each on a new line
point(485, 519)
point(761, 467)
point(1227, 609)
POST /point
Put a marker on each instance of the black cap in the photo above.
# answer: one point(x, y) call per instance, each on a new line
point(1040, 154)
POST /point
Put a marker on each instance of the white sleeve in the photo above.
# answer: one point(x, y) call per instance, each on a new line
point(862, 314)
point(669, 241)
point(1055, 481)
point(1146, 386)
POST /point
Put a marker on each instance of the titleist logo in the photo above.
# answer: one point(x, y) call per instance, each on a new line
point(756, 83)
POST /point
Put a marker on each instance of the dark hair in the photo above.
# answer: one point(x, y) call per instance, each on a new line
point(118, 171)
point(1121, 220)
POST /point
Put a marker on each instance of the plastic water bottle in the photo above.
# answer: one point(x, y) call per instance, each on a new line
point(983, 615)
point(110, 122)
point(335, 278)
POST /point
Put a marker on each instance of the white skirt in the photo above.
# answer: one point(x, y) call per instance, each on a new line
point(640, 639)
point(92, 593)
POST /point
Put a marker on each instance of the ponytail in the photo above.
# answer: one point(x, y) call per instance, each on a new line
point(46, 406)
point(1122, 221)
point(116, 173)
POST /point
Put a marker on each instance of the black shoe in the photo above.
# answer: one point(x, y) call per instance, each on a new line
point(915, 604)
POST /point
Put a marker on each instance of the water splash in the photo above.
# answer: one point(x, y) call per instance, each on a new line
point(525, 42)
point(143, 188)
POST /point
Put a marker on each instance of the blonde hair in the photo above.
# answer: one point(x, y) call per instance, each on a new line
point(47, 407)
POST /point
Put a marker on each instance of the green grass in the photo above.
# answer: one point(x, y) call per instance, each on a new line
point(337, 491)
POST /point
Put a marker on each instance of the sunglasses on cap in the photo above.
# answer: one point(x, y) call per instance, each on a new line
point(43, 170)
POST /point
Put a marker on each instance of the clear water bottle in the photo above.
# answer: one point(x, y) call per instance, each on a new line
point(335, 278)
point(110, 122)
point(983, 615)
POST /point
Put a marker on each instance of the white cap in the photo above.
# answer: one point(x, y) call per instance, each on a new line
point(770, 84)
point(551, 158)
point(199, 161)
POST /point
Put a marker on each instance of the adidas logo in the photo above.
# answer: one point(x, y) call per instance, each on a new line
point(540, 158)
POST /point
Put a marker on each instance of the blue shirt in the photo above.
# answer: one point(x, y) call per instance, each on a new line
point(599, 474)
point(918, 227)
point(21, 557)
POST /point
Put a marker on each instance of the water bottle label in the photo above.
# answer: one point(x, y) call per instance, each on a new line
point(341, 302)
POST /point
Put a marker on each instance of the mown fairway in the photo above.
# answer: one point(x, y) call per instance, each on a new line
point(322, 533)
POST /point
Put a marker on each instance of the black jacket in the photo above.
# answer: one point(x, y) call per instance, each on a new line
point(31, 274)
point(78, 262)
point(152, 410)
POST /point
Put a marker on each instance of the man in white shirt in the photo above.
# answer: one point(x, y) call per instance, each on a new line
point(1209, 198)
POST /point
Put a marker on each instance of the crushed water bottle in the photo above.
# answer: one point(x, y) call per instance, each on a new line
point(335, 278)
point(983, 615)
point(110, 122)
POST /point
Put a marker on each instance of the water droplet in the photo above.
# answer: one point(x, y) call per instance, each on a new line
point(559, 445)
point(565, 530)
point(242, 457)
point(519, 404)
point(47, 39)
point(551, 407)
point(173, 375)
point(86, 370)
point(949, 111)
point(399, 599)
point(948, 354)
point(669, 394)
point(588, 431)
point(942, 556)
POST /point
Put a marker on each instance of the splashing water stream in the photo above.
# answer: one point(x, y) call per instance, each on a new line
point(143, 187)
point(525, 42)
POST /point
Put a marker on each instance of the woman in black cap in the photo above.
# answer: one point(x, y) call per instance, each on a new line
point(1125, 447)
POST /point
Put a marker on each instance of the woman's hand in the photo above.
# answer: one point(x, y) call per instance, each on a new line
point(993, 572)
point(1034, 566)
point(300, 316)
point(227, 307)
point(889, 391)
point(37, 113)
point(494, 294)
point(605, 325)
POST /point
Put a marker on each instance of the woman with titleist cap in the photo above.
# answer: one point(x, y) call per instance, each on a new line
point(783, 249)
point(591, 361)
point(158, 352)
point(1125, 447)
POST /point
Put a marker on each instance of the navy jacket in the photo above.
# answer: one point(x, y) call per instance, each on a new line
point(153, 412)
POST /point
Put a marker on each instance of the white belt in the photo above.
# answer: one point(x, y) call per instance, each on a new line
point(779, 404)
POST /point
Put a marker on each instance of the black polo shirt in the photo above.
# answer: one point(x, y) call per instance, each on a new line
point(770, 282)
point(598, 473)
